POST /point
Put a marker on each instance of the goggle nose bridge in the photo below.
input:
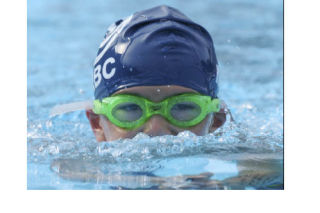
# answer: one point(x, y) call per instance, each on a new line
point(156, 108)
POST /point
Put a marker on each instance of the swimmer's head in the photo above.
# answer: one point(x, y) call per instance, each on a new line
point(155, 47)
point(155, 54)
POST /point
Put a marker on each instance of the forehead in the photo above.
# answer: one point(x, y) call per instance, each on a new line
point(156, 93)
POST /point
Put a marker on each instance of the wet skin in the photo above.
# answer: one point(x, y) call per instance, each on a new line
point(104, 130)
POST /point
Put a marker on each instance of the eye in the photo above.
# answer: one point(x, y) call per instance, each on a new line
point(129, 107)
point(185, 111)
point(127, 112)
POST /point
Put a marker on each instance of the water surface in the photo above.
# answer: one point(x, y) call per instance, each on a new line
point(63, 37)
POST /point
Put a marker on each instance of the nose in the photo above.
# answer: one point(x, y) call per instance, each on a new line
point(157, 126)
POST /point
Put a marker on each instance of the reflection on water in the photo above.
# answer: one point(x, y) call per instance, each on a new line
point(239, 174)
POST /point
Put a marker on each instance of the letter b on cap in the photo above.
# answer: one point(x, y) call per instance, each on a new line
point(97, 76)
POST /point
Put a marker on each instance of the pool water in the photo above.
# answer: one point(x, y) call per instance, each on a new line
point(63, 38)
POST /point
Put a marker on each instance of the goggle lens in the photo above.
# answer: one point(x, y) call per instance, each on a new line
point(127, 112)
point(185, 111)
point(130, 112)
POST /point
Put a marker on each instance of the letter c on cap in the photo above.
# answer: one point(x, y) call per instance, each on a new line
point(106, 75)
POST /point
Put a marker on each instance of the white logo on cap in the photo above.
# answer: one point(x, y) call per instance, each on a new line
point(114, 31)
point(97, 72)
point(108, 41)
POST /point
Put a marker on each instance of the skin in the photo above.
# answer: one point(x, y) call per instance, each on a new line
point(104, 130)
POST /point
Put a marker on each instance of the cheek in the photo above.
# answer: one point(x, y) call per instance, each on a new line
point(203, 127)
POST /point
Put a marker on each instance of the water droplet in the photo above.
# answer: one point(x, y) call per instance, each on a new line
point(158, 90)
point(229, 41)
point(247, 106)
point(40, 149)
point(49, 124)
point(263, 127)
point(81, 91)
point(164, 56)
point(131, 69)
point(168, 86)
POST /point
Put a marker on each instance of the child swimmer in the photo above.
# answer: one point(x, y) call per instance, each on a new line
point(156, 73)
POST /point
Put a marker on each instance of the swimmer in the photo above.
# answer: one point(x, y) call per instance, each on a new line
point(156, 73)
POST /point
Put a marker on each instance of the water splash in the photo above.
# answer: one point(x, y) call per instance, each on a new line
point(232, 138)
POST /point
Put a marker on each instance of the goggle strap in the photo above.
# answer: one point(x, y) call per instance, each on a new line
point(98, 107)
point(214, 105)
point(71, 107)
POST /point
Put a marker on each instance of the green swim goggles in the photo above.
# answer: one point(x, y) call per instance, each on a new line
point(130, 111)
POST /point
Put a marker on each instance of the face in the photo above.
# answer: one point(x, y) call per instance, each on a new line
point(104, 130)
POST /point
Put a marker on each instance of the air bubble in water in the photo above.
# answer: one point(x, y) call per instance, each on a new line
point(49, 124)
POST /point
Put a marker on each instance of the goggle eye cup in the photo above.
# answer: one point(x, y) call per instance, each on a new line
point(185, 111)
point(127, 112)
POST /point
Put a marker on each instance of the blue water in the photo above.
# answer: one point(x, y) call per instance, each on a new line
point(63, 38)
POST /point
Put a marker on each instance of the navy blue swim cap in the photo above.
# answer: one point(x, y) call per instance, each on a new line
point(155, 47)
